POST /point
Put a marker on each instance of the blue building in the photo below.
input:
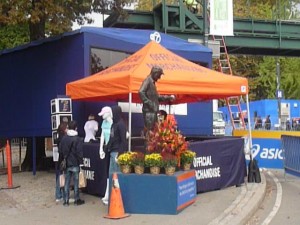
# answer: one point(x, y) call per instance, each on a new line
point(289, 110)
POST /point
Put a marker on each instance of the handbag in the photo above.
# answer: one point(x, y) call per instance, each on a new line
point(62, 180)
point(82, 179)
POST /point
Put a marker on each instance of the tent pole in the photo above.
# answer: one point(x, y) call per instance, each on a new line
point(129, 122)
point(249, 124)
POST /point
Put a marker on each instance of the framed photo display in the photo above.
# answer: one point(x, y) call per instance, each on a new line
point(54, 138)
point(59, 118)
point(61, 105)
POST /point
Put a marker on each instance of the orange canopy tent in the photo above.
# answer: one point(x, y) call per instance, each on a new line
point(190, 82)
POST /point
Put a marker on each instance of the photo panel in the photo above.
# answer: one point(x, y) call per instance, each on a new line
point(61, 105)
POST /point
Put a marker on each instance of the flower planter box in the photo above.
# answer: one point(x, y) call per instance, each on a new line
point(157, 194)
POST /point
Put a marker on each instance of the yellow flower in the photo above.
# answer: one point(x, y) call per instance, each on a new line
point(125, 158)
point(154, 159)
point(187, 156)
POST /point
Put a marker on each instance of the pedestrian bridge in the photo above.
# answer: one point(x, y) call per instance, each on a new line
point(253, 37)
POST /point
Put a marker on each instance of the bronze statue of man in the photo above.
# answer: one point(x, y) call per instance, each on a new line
point(150, 97)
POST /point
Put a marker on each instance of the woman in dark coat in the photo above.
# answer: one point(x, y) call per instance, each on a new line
point(117, 142)
point(61, 131)
point(116, 145)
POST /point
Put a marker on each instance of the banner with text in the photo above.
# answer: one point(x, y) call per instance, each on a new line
point(267, 152)
point(219, 163)
point(96, 169)
point(221, 17)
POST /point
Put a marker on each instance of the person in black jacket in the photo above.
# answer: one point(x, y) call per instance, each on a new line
point(61, 131)
point(268, 123)
point(116, 145)
point(71, 149)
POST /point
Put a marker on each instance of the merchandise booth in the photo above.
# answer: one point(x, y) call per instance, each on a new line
point(219, 163)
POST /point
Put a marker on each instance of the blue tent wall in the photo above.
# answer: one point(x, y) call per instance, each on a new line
point(32, 77)
point(129, 40)
point(33, 74)
point(198, 121)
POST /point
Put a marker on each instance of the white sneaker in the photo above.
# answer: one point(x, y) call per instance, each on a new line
point(58, 200)
point(105, 202)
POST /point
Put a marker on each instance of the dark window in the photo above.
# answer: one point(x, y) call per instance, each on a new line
point(102, 59)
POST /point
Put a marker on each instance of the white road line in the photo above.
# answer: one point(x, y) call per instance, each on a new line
point(277, 202)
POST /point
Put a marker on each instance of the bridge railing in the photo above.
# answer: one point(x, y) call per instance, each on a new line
point(291, 154)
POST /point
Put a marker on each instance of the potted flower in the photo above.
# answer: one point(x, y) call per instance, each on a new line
point(170, 162)
point(138, 161)
point(154, 161)
point(186, 159)
point(125, 162)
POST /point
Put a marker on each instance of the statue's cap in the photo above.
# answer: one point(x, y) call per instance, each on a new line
point(157, 69)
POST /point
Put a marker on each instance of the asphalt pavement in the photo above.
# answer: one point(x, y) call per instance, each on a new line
point(34, 203)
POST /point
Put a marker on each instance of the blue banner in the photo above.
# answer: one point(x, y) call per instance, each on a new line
point(267, 152)
point(219, 163)
point(186, 189)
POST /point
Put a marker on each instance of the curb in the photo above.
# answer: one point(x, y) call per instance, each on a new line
point(255, 195)
point(245, 205)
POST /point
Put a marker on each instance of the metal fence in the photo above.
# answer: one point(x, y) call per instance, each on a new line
point(291, 160)
point(15, 142)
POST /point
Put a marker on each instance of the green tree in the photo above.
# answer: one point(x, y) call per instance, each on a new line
point(51, 17)
point(267, 9)
point(289, 77)
point(265, 87)
point(246, 66)
point(13, 35)
point(261, 71)
point(261, 74)
point(148, 5)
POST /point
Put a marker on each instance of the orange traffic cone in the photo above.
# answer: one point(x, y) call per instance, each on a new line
point(116, 209)
point(9, 167)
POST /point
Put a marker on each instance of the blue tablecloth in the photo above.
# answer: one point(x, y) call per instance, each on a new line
point(219, 163)
point(95, 168)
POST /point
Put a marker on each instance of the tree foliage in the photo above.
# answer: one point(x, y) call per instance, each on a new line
point(51, 17)
point(267, 9)
point(14, 35)
point(148, 5)
point(290, 80)
point(261, 71)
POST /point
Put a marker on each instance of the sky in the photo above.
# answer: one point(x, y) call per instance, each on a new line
point(98, 19)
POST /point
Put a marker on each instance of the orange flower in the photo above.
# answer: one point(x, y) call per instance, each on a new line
point(166, 138)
